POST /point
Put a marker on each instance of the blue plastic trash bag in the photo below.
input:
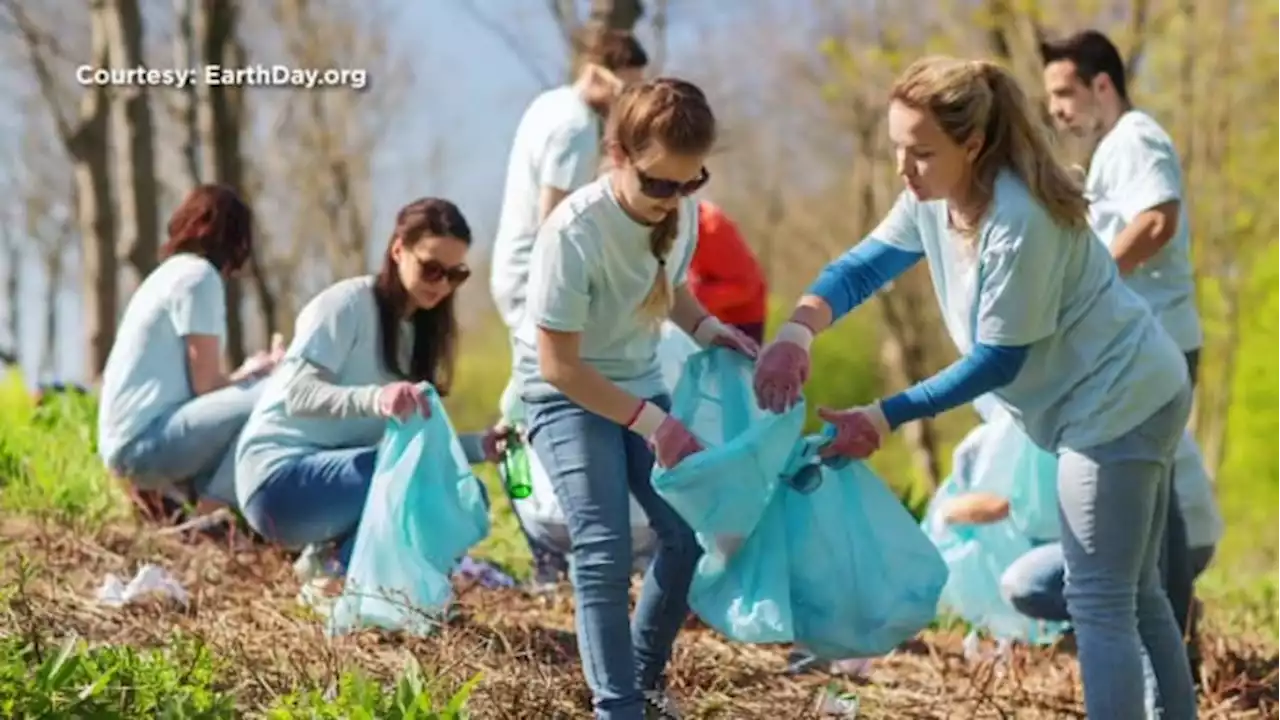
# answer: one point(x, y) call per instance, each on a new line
point(987, 460)
point(424, 511)
point(797, 551)
point(722, 492)
point(864, 578)
point(1014, 467)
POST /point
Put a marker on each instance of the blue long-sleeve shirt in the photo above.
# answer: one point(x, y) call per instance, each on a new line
point(851, 279)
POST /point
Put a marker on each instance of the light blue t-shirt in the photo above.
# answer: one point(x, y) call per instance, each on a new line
point(1098, 362)
point(337, 331)
point(557, 145)
point(591, 270)
point(1134, 169)
point(146, 373)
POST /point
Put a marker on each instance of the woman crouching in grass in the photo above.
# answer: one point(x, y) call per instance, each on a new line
point(360, 351)
point(169, 414)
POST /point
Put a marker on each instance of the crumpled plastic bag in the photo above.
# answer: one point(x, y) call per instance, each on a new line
point(821, 554)
point(150, 580)
point(424, 511)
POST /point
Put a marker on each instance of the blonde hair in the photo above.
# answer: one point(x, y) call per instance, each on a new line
point(979, 96)
point(674, 115)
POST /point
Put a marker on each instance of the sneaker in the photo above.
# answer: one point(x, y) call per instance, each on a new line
point(659, 705)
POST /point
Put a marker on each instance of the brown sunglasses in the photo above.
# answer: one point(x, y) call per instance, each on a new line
point(662, 189)
point(434, 271)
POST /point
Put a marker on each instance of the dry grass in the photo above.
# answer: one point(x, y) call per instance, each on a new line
point(243, 609)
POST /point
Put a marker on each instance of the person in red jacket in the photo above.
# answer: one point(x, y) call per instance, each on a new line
point(725, 275)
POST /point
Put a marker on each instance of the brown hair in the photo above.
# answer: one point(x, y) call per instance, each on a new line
point(435, 330)
point(213, 223)
point(674, 115)
point(978, 96)
point(611, 49)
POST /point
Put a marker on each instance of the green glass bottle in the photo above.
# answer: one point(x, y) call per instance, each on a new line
point(515, 468)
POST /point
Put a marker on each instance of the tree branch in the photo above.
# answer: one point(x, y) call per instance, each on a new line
point(508, 38)
point(35, 43)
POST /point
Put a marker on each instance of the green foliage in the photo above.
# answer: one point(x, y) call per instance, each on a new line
point(74, 680)
point(414, 697)
point(48, 461)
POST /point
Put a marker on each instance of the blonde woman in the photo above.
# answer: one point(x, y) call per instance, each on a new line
point(1034, 302)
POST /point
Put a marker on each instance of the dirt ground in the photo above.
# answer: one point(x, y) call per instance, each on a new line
point(244, 609)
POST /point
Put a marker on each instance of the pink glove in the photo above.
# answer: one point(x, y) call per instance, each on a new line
point(711, 332)
point(859, 431)
point(399, 400)
point(671, 440)
point(783, 368)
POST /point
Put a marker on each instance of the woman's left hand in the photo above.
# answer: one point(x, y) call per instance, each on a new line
point(711, 332)
point(859, 431)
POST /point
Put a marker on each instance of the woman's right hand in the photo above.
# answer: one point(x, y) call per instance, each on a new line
point(400, 400)
point(783, 368)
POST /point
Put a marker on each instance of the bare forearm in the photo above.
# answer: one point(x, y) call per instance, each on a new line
point(1141, 239)
point(813, 312)
point(686, 311)
point(586, 387)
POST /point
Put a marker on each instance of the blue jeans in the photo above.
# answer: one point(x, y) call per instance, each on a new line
point(194, 443)
point(593, 462)
point(316, 498)
point(1113, 504)
point(1033, 583)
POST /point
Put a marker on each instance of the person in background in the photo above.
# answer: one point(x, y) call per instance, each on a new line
point(1033, 583)
point(1036, 307)
point(169, 414)
point(608, 267)
point(725, 275)
point(361, 349)
point(1137, 207)
point(556, 151)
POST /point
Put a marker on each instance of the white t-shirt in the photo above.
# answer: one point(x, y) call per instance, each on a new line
point(1098, 362)
point(1134, 169)
point(338, 330)
point(592, 268)
point(146, 372)
point(556, 145)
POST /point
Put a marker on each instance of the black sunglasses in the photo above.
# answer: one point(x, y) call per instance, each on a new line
point(435, 271)
point(662, 189)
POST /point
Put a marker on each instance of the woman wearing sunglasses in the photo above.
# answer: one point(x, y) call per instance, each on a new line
point(361, 347)
point(608, 267)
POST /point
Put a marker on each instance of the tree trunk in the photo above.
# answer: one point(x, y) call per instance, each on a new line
point(214, 25)
point(133, 130)
point(53, 274)
point(13, 286)
point(87, 142)
point(89, 149)
point(184, 102)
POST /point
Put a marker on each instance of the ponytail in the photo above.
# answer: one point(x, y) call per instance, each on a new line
point(657, 304)
point(1021, 141)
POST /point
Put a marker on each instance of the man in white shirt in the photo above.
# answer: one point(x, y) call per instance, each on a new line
point(1138, 209)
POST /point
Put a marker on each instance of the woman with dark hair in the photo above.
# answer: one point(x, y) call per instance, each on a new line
point(360, 350)
point(169, 413)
